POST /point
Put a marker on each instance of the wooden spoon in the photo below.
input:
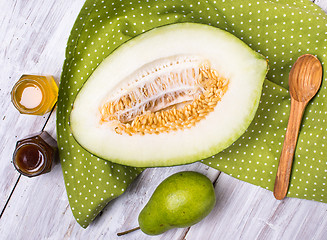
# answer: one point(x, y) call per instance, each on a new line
point(304, 81)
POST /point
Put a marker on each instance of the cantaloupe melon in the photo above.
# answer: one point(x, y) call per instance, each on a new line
point(173, 95)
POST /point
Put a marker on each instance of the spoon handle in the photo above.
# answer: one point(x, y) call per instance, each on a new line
point(286, 157)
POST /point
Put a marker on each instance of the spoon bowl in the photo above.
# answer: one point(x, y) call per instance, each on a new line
point(304, 82)
point(305, 78)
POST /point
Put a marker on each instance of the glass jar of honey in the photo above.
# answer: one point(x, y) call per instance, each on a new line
point(34, 94)
point(35, 154)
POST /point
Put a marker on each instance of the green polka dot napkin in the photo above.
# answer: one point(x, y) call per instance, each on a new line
point(281, 30)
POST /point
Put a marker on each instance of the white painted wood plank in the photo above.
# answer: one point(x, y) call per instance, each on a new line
point(33, 39)
point(39, 209)
point(322, 4)
point(245, 211)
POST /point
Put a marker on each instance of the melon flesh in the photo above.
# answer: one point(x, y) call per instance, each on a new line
point(230, 57)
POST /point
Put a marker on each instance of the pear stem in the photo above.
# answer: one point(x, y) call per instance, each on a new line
point(128, 231)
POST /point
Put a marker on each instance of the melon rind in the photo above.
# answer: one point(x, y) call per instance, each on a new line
point(245, 69)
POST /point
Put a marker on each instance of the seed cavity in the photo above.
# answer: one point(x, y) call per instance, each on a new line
point(168, 95)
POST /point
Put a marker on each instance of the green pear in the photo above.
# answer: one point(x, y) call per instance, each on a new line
point(181, 200)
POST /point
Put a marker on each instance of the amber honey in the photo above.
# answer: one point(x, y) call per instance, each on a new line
point(34, 94)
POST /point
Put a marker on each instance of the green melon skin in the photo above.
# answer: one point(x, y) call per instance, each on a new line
point(245, 69)
point(181, 200)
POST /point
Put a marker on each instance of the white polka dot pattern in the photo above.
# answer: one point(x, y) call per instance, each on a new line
point(279, 29)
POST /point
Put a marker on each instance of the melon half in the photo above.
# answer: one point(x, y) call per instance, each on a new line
point(173, 95)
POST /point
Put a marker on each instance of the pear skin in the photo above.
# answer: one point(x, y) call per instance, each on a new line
point(181, 200)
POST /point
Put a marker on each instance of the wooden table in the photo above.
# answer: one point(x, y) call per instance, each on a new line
point(33, 36)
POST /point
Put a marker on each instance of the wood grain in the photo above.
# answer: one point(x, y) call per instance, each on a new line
point(31, 42)
point(33, 36)
point(286, 157)
point(322, 4)
point(304, 82)
point(244, 211)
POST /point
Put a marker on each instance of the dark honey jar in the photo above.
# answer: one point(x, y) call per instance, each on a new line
point(35, 154)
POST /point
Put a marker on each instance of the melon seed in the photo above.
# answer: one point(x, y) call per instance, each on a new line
point(168, 102)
